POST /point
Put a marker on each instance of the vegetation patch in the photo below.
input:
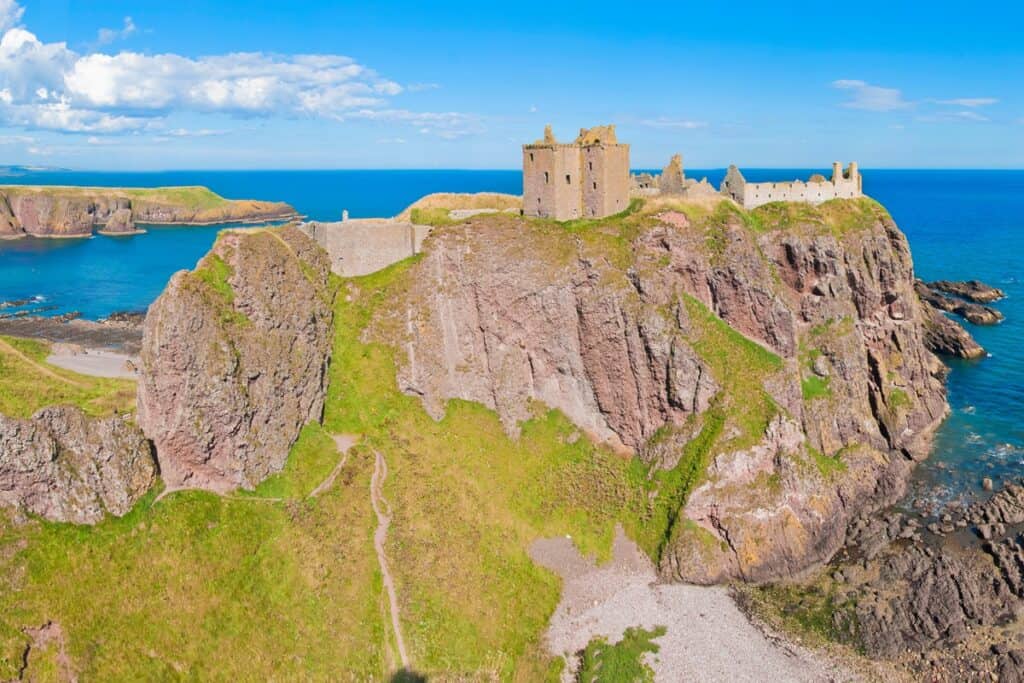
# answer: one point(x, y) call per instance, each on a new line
point(621, 662)
point(203, 587)
point(435, 216)
point(815, 612)
point(28, 383)
point(814, 387)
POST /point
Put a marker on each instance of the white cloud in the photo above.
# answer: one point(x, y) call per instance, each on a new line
point(971, 102)
point(871, 97)
point(420, 87)
point(194, 133)
point(49, 86)
point(10, 14)
point(681, 124)
point(105, 36)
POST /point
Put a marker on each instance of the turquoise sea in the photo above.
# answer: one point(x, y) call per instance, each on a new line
point(961, 225)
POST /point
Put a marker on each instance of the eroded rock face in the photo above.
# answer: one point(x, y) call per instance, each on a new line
point(504, 312)
point(67, 467)
point(234, 359)
point(50, 212)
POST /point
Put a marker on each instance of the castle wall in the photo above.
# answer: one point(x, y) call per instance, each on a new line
point(606, 191)
point(552, 181)
point(842, 186)
point(363, 246)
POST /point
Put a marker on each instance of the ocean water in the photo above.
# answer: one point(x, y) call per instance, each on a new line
point(961, 225)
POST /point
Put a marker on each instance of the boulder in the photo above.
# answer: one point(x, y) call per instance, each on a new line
point(67, 467)
point(234, 359)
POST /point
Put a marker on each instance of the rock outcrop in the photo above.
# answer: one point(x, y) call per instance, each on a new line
point(951, 590)
point(812, 400)
point(972, 290)
point(234, 359)
point(972, 312)
point(67, 467)
point(77, 212)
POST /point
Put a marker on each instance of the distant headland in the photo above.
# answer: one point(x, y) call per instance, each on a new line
point(61, 211)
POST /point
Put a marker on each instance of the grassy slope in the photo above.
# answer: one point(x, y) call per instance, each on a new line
point(28, 383)
point(191, 196)
point(201, 586)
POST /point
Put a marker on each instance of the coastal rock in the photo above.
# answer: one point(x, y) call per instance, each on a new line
point(610, 338)
point(121, 221)
point(234, 359)
point(974, 313)
point(76, 212)
point(948, 338)
point(973, 290)
point(67, 467)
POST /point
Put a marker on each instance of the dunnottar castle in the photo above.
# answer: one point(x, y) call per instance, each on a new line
point(590, 178)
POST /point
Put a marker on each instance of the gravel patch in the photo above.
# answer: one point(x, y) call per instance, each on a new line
point(707, 639)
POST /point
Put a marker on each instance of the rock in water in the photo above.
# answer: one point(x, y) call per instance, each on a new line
point(234, 359)
point(67, 467)
point(973, 290)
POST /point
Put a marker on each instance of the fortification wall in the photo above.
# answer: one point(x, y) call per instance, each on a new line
point(609, 181)
point(363, 246)
point(756, 194)
point(551, 181)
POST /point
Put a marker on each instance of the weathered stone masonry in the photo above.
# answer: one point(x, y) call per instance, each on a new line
point(588, 178)
point(844, 185)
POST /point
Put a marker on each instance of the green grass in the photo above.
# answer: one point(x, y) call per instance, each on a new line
point(432, 216)
point(208, 588)
point(828, 465)
point(814, 612)
point(188, 196)
point(814, 387)
point(28, 383)
point(621, 662)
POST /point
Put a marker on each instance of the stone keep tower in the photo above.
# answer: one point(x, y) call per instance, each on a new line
point(588, 178)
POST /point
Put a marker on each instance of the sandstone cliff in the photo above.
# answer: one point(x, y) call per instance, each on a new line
point(777, 354)
point(76, 212)
point(234, 359)
point(67, 467)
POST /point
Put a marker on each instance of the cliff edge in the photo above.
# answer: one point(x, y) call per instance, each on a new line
point(44, 211)
point(773, 361)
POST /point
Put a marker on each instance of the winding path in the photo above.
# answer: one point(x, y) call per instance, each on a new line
point(344, 442)
point(383, 510)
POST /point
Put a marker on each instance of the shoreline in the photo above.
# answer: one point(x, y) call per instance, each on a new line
point(97, 230)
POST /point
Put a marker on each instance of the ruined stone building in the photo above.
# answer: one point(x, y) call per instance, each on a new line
point(587, 178)
point(845, 184)
point(671, 181)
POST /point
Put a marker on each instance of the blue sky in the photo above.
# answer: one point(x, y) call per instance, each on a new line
point(318, 84)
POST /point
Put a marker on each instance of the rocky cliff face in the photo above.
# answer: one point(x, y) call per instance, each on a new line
point(76, 212)
point(785, 346)
point(67, 467)
point(234, 359)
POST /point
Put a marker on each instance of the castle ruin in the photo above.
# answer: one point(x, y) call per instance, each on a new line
point(845, 184)
point(671, 181)
point(587, 178)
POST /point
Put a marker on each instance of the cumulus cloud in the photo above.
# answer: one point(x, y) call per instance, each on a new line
point(871, 97)
point(50, 86)
point(105, 36)
point(679, 124)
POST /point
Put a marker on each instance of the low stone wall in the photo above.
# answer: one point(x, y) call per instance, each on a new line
point(363, 246)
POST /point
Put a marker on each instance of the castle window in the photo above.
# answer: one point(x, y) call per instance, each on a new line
point(531, 156)
point(547, 178)
point(591, 165)
point(568, 179)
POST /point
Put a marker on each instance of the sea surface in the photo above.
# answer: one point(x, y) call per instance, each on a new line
point(961, 225)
